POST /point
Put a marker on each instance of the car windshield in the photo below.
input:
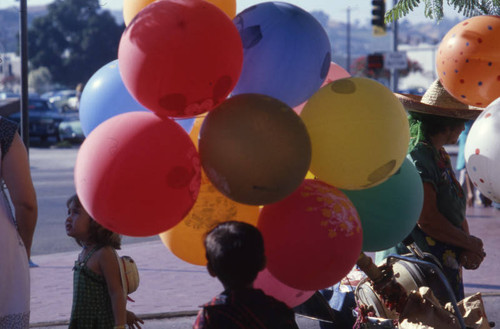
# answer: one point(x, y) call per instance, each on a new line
point(40, 105)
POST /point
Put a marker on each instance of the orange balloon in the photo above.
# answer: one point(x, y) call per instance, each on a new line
point(227, 6)
point(467, 61)
point(195, 131)
point(185, 240)
point(132, 7)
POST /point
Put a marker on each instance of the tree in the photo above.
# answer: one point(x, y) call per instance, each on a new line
point(73, 40)
point(39, 80)
point(434, 8)
point(360, 68)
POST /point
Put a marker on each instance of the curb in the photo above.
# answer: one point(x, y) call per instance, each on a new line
point(148, 316)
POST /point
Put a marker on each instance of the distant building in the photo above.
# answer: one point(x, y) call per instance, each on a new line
point(10, 72)
point(425, 55)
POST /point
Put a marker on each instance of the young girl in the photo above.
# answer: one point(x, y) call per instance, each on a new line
point(98, 298)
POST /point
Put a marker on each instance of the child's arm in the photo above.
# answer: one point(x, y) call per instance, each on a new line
point(111, 272)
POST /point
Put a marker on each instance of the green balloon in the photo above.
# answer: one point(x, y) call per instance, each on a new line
point(389, 211)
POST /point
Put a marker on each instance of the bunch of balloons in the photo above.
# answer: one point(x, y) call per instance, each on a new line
point(209, 116)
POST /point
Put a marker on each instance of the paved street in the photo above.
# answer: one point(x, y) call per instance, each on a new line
point(171, 290)
point(52, 172)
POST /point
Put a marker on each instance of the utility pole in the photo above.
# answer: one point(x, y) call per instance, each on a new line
point(348, 40)
point(23, 40)
point(394, 72)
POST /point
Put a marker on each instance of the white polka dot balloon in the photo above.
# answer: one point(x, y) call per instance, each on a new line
point(482, 152)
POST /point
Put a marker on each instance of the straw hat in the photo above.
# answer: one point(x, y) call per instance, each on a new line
point(129, 274)
point(437, 101)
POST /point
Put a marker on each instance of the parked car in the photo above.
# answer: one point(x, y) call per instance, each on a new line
point(71, 130)
point(8, 94)
point(64, 100)
point(413, 91)
point(44, 119)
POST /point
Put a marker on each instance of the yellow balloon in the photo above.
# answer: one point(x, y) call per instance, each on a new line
point(310, 175)
point(359, 133)
point(185, 240)
point(132, 7)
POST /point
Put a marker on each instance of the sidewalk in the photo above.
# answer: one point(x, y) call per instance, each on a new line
point(172, 287)
point(168, 287)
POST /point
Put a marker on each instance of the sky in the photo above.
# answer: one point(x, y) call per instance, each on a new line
point(336, 9)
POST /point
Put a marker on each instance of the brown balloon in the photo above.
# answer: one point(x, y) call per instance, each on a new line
point(254, 149)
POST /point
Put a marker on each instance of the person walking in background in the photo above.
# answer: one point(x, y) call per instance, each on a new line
point(79, 90)
point(472, 194)
point(235, 255)
point(460, 166)
point(16, 229)
point(99, 301)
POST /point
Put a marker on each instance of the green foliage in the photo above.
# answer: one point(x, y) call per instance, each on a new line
point(487, 8)
point(434, 8)
point(73, 40)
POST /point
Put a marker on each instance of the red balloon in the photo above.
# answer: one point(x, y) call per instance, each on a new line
point(312, 238)
point(137, 174)
point(273, 287)
point(180, 58)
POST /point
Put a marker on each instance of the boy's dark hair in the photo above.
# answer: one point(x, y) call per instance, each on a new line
point(97, 233)
point(235, 253)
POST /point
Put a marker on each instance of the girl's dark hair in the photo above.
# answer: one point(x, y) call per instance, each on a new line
point(235, 253)
point(97, 233)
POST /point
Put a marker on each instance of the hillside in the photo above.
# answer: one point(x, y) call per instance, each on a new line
point(361, 40)
point(9, 20)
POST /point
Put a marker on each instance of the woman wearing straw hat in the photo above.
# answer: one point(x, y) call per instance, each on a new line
point(437, 119)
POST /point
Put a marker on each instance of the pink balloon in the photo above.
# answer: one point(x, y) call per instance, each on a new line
point(335, 72)
point(137, 174)
point(273, 287)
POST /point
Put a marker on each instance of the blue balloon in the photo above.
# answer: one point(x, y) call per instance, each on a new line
point(389, 211)
point(105, 96)
point(286, 52)
point(185, 123)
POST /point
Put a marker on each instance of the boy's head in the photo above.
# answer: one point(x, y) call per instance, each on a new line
point(235, 253)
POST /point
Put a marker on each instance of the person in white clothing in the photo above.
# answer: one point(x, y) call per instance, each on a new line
point(16, 228)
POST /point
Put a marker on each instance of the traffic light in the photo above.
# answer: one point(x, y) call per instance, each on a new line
point(375, 61)
point(378, 13)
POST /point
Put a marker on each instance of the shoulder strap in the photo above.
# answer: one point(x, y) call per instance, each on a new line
point(91, 253)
